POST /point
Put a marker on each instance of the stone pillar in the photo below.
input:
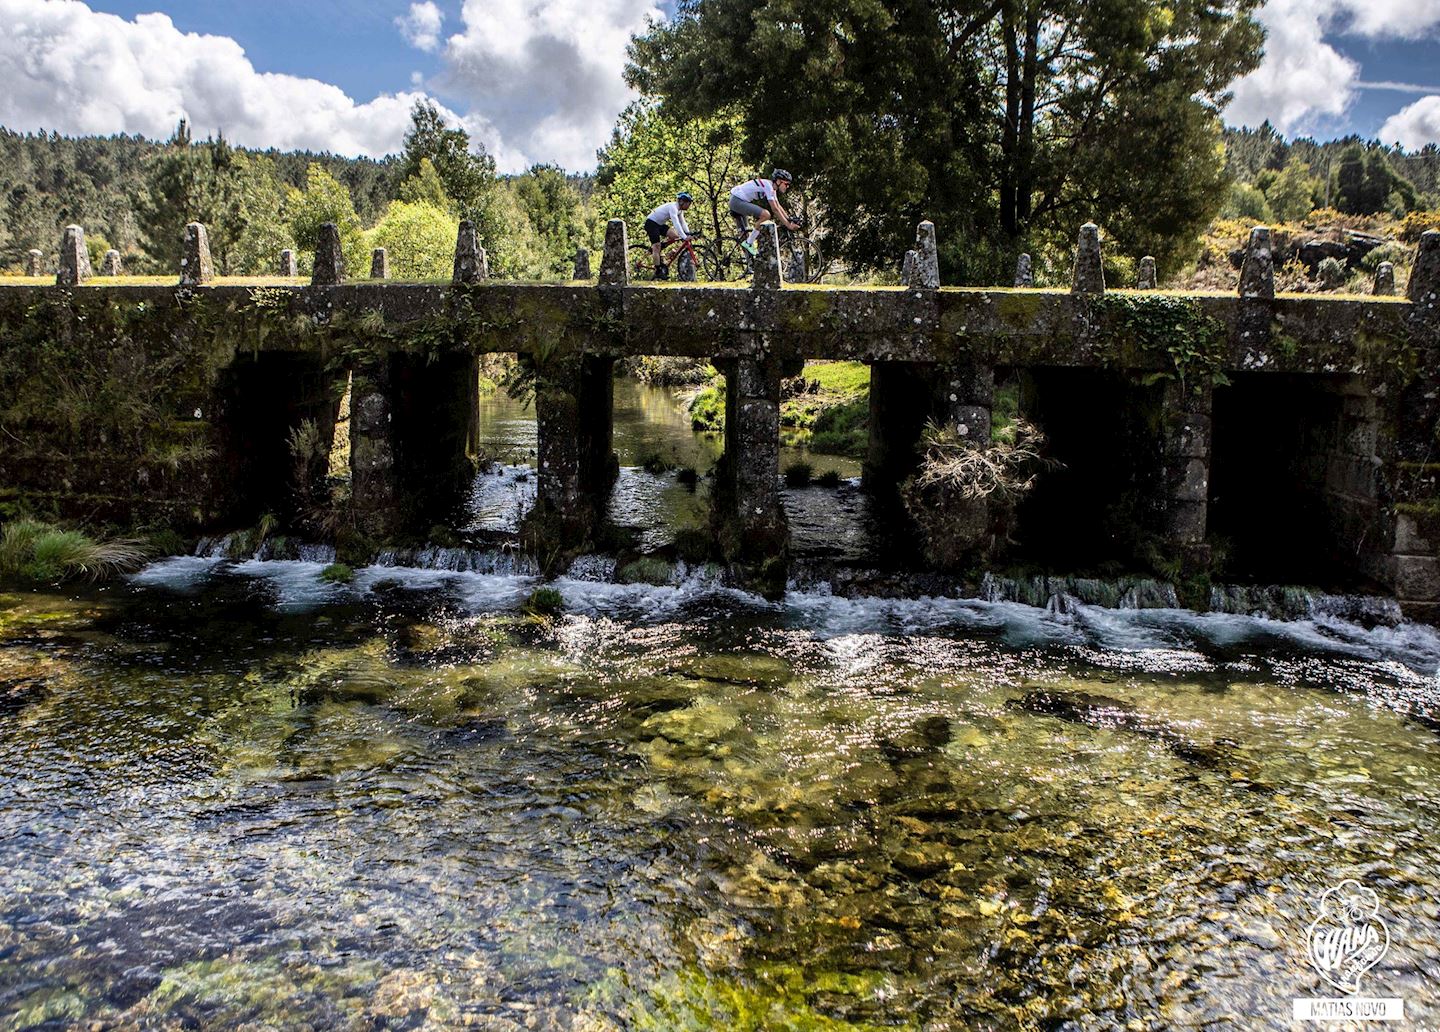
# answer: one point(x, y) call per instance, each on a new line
point(34, 262)
point(615, 261)
point(1147, 278)
point(471, 263)
point(329, 268)
point(196, 268)
point(1185, 452)
point(374, 491)
point(288, 267)
point(111, 265)
point(753, 528)
point(1257, 274)
point(766, 264)
point(1024, 273)
point(582, 264)
point(965, 395)
point(562, 517)
point(927, 258)
point(1384, 280)
point(797, 269)
point(1088, 275)
point(1424, 289)
point(379, 264)
point(685, 270)
point(907, 268)
point(74, 259)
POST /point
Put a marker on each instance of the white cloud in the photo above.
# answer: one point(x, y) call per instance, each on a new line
point(545, 73)
point(421, 27)
point(1415, 125)
point(71, 69)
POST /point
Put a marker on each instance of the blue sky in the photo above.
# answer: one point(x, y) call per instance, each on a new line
point(539, 80)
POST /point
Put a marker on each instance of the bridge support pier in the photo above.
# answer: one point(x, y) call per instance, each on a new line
point(434, 404)
point(904, 395)
point(374, 492)
point(574, 403)
point(1185, 416)
point(750, 520)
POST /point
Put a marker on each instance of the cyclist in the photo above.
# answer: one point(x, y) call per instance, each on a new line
point(667, 223)
point(759, 199)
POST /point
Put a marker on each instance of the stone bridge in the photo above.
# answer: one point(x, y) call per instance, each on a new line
point(1209, 378)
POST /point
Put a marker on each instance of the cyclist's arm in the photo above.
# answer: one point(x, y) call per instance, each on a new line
point(780, 215)
point(680, 224)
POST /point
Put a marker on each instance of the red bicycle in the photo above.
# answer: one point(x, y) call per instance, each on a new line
point(642, 261)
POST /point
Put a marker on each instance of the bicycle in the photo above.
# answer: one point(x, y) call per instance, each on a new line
point(702, 255)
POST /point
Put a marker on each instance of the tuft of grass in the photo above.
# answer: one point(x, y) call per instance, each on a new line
point(707, 410)
point(544, 603)
point(687, 475)
point(798, 474)
point(830, 478)
point(647, 569)
point(655, 463)
point(35, 551)
point(337, 573)
point(694, 544)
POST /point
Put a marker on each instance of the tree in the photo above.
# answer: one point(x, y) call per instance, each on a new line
point(464, 169)
point(1292, 194)
point(324, 200)
point(419, 240)
point(1364, 182)
point(425, 187)
point(1009, 122)
point(652, 156)
point(265, 230)
point(552, 207)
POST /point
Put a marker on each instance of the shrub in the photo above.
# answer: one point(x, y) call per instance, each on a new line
point(419, 240)
point(1416, 223)
point(843, 430)
point(1395, 253)
point(1331, 273)
point(687, 475)
point(797, 474)
point(655, 463)
point(337, 573)
point(544, 602)
point(707, 410)
point(647, 569)
point(36, 551)
point(830, 478)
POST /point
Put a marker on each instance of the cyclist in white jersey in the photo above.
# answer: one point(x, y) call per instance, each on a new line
point(667, 223)
point(759, 199)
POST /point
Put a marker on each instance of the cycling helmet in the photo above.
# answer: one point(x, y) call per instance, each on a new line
point(780, 175)
point(684, 196)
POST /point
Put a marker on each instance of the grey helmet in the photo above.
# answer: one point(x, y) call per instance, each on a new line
point(780, 175)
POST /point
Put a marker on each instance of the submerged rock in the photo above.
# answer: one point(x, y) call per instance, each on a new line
point(1101, 711)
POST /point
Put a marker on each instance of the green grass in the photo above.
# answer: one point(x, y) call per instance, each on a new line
point(337, 573)
point(707, 410)
point(544, 603)
point(35, 551)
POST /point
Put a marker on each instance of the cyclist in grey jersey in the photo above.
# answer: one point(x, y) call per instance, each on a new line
point(759, 199)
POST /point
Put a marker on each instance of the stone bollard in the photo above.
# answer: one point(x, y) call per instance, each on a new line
point(1146, 279)
point(1424, 291)
point(111, 265)
point(379, 264)
point(196, 268)
point(907, 268)
point(74, 259)
point(329, 267)
point(288, 265)
point(614, 260)
point(1257, 274)
point(34, 262)
point(927, 258)
point(685, 270)
point(1384, 280)
point(1024, 273)
point(471, 262)
point(1088, 275)
point(582, 264)
point(766, 264)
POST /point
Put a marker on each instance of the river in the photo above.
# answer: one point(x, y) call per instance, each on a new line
point(236, 796)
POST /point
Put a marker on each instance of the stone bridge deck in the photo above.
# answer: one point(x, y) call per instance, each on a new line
point(409, 351)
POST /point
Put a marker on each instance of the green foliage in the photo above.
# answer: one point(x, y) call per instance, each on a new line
point(971, 115)
point(1330, 273)
point(650, 570)
point(1364, 182)
point(1292, 193)
point(798, 474)
point(324, 200)
point(425, 187)
point(842, 429)
point(337, 573)
point(707, 409)
point(34, 551)
point(1247, 202)
point(419, 240)
point(1191, 343)
point(545, 603)
point(553, 209)
point(1397, 254)
point(652, 156)
point(830, 478)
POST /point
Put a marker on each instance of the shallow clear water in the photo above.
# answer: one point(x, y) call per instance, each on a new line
point(234, 796)
point(649, 423)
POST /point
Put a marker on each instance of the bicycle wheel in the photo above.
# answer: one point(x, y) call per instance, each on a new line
point(642, 262)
